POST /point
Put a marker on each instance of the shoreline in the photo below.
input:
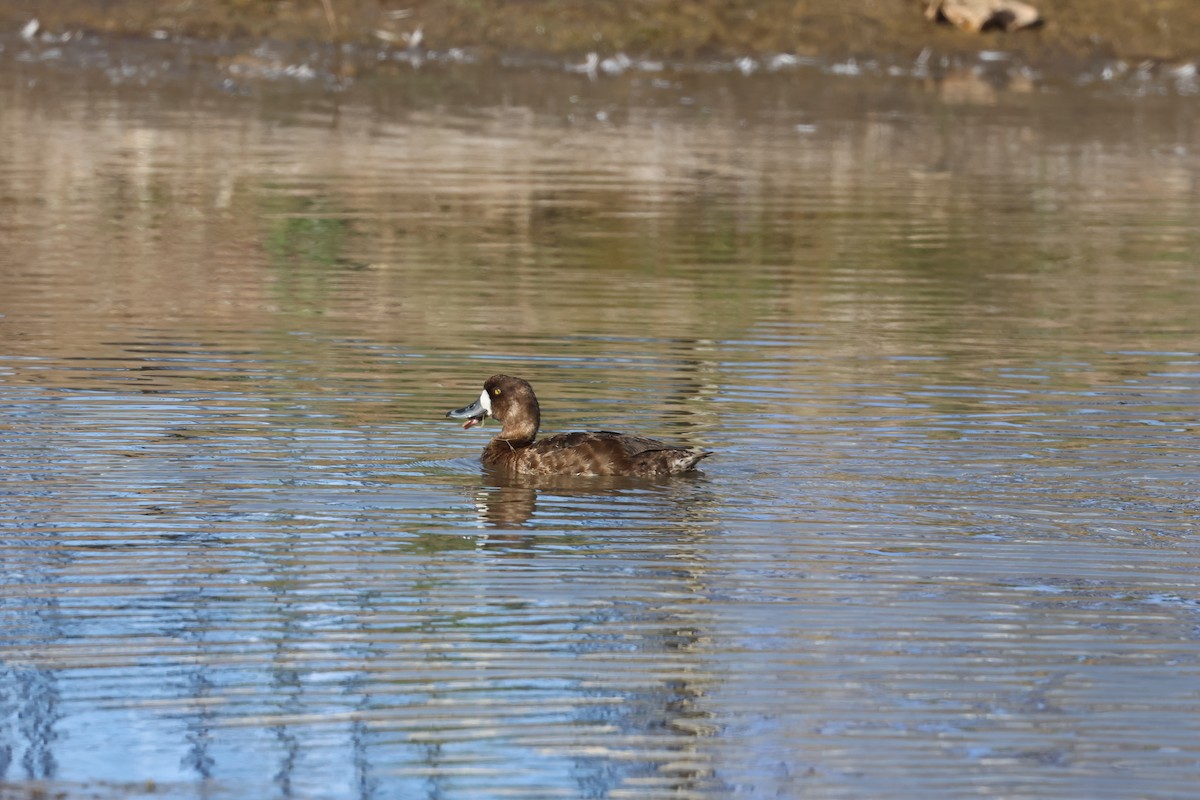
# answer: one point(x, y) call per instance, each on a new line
point(1076, 33)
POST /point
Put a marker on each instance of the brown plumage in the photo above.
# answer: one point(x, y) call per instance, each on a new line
point(516, 448)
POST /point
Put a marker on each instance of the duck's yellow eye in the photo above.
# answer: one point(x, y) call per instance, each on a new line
point(496, 392)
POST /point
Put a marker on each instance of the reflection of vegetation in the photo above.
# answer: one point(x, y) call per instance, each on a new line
point(304, 241)
point(502, 229)
point(311, 240)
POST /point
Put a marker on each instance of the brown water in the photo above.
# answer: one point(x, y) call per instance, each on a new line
point(944, 338)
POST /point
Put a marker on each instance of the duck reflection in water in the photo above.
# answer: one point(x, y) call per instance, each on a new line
point(508, 500)
point(517, 450)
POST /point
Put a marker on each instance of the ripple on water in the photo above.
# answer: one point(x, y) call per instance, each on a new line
point(946, 545)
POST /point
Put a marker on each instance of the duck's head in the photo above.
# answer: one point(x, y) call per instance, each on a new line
point(510, 401)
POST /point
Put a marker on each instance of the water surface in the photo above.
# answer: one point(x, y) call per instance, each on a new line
point(942, 335)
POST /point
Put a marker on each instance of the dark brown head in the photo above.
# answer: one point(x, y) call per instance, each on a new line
point(509, 400)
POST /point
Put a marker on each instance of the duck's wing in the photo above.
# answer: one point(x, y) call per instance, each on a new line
point(610, 442)
point(654, 457)
point(612, 453)
point(632, 445)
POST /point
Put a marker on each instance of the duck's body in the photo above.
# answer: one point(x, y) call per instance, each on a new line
point(591, 453)
point(516, 448)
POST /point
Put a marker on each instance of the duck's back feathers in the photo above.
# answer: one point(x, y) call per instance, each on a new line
point(593, 453)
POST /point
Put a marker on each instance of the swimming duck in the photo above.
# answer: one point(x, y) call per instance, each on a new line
point(516, 448)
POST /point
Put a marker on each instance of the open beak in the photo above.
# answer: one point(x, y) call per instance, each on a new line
point(475, 413)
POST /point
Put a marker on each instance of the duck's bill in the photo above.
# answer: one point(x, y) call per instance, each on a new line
point(473, 414)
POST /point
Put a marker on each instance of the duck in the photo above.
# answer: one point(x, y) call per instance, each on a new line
point(517, 449)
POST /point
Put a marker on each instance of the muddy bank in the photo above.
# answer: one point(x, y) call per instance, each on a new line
point(1074, 30)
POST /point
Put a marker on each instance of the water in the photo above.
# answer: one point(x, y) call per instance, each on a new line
point(942, 336)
